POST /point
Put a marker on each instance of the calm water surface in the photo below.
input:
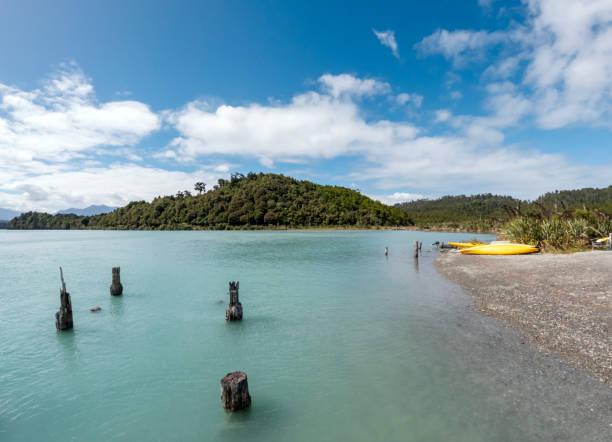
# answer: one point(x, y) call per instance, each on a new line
point(338, 342)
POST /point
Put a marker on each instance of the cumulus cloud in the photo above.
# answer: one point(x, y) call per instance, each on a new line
point(387, 38)
point(312, 125)
point(63, 119)
point(114, 185)
point(562, 56)
point(349, 85)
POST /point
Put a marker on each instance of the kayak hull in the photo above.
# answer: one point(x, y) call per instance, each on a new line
point(500, 249)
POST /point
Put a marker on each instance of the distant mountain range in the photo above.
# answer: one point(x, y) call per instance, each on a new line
point(8, 214)
point(88, 211)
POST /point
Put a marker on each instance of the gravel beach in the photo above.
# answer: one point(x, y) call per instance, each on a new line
point(560, 303)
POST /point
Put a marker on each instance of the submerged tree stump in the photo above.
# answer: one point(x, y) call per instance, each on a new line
point(63, 318)
point(235, 391)
point(116, 288)
point(234, 311)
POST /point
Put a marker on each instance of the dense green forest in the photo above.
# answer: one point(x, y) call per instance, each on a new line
point(487, 212)
point(475, 212)
point(251, 201)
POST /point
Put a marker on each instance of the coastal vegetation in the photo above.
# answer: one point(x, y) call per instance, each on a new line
point(244, 202)
point(561, 220)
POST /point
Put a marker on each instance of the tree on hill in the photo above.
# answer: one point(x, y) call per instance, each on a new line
point(200, 187)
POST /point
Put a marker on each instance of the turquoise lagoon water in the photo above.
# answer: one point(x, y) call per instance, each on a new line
point(339, 342)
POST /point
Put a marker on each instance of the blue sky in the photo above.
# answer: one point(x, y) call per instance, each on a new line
point(107, 102)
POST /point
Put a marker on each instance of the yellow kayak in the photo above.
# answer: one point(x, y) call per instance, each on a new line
point(500, 249)
point(606, 239)
point(464, 244)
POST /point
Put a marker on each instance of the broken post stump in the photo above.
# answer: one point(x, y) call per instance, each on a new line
point(116, 288)
point(235, 391)
point(416, 249)
point(386, 251)
point(63, 318)
point(234, 311)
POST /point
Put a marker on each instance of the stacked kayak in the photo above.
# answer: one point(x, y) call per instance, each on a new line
point(499, 249)
point(462, 245)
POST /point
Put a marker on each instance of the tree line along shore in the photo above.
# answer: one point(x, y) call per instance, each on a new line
point(561, 220)
point(252, 201)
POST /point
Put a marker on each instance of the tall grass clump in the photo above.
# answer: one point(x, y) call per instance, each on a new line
point(569, 232)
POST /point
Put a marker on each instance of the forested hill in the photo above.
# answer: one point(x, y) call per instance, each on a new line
point(479, 212)
point(251, 201)
point(458, 208)
point(587, 198)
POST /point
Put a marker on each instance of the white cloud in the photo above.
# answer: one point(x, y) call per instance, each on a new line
point(442, 115)
point(459, 46)
point(387, 38)
point(397, 197)
point(562, 56)
point(312, 125)
point(415, 99)
point(63, 119)
point(451, 165)
point(114, 185)
point(570, 68)
point(349, 85)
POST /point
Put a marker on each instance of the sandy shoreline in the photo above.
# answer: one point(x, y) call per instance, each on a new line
point(561, 303)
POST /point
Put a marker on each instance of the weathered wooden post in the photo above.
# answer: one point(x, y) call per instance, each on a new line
point(416, 249)
point(235, 391)
point(63, 318)
point(116, 288)
point(386, 251)
point(234, 311)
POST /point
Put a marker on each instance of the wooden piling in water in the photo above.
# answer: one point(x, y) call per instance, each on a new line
point(116, 288)
point(235, 391)
point(386, 251)
point(234, 310)
point(416, 249)
point(63, 318)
